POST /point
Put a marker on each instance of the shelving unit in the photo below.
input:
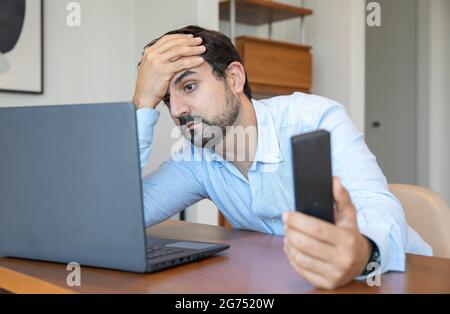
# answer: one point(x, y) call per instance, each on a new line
point(273, 67)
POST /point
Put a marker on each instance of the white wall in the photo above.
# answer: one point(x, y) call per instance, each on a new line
point(336, 32)
point(91, 63)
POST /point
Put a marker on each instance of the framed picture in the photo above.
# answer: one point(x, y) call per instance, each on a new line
point(21, 46)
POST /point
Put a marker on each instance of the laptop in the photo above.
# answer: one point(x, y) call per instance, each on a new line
point(70, 190)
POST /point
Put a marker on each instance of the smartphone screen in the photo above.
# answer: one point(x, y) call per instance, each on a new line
point(311, 159)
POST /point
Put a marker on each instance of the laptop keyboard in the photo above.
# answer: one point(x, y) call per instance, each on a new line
point(154, 252)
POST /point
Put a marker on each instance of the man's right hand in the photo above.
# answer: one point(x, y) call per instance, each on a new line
point(160, 62)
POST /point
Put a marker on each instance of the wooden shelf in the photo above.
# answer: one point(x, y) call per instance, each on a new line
point(276, 67)
point(258, 12)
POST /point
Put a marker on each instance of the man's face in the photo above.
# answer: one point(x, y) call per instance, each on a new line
point(202, 105)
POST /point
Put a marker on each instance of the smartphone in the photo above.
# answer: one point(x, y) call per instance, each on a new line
point(311, 161)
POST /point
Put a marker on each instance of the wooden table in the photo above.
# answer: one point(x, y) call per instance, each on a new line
point(255, 263)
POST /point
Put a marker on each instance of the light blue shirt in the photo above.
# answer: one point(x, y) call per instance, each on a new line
point(257, 203)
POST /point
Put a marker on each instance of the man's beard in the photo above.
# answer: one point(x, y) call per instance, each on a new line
point(210, 133)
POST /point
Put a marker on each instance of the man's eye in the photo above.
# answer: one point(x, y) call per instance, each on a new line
point(189, 87)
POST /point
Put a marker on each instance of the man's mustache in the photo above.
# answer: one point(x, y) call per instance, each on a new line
point(185, 119)
point(189, 118)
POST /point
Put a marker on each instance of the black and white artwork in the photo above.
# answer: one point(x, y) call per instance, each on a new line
point(21, 51)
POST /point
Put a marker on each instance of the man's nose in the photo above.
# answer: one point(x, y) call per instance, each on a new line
point(178, 107)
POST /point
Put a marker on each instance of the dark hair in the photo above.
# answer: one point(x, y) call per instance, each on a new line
point(220, 51)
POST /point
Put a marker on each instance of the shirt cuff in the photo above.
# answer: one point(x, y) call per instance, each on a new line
point(146, 120)
point(392, 255)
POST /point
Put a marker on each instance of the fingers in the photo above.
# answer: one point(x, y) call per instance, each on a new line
point(183, 51)
point(167, 38)
point(306, 262)
point(323, 265)
point(313, 227)
point(185, 63)
point(316, 279)
point(345, 212)
point(179, 42)
point(340, 194)
point(310, 246)
point(176, 52)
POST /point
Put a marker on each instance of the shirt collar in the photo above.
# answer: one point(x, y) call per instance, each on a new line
point(268, 146)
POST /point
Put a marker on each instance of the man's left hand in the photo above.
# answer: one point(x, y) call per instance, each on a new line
point(327, 255)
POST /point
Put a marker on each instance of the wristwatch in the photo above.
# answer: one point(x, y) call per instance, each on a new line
point(374, 258)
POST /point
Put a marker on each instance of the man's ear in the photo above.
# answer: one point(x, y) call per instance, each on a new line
point(236, 76)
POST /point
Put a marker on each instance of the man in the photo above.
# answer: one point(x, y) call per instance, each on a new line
point(199, 75)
